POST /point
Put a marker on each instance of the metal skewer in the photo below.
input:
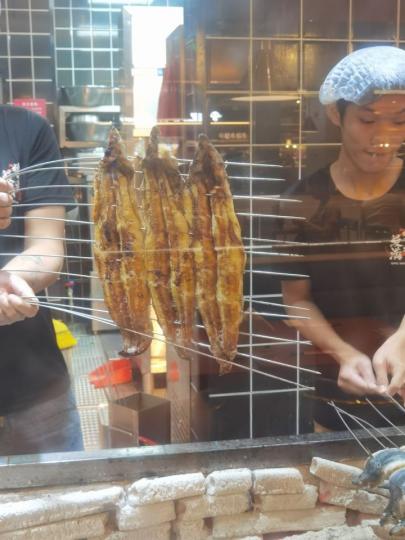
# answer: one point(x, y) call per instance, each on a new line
point(80, 257)
point(367, 451)
point(393, 401)
point(108, 322)
point(362, 423)
point(56, 304)
point(236, 163)
point(76, 221)
point(377, 410)
point(31, 237)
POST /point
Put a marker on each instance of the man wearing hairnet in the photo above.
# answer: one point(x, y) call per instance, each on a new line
point(355, 239)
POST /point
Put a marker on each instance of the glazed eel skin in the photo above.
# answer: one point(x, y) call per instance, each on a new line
point(119, 247)
point(218, 251)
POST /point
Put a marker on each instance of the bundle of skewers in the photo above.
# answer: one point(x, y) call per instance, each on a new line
point(174, 243)
point(383, 469)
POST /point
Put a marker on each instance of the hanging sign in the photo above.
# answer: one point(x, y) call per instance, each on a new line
point(37, 105)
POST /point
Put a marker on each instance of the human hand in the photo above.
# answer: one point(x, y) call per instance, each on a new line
point(6, 202)
point(17, 299)
point(356, 374)
point(389, 365)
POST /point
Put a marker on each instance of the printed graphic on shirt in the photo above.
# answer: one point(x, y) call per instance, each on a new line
point(11, 175)
point(397, 248)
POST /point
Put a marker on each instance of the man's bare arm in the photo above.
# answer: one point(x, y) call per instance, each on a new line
point(35, 268)
point(6, 202)
point(44, 248)
point(356, 374)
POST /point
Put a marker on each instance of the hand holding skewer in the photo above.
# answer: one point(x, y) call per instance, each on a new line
point(6, 202)
point(13, 304)
point(356, 374)
point(389, 364)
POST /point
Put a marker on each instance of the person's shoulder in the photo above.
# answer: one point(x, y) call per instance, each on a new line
point(315, 183)
point(21, 118)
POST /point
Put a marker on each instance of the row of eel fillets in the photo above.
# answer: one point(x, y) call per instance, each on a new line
point(186, 242)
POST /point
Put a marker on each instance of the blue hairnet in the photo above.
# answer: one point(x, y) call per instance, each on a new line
point(361, 75)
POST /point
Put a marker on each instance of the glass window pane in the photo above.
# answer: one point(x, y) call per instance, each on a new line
point(402, 20)
point(275, 65)
point(319, 58)
point(326, 18)
point(226, 17)
point(21, 68)
point(228, 62)
point(362, 44)
point(286, 175)
point(316, 126)
point(228, 120)
point(275, 122)
point(373, 19)
point(315, 157)
point(276, 18)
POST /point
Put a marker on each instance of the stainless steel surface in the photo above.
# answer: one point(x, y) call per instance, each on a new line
point(66, 110)
point(133, 463)
point(87, 96)
point(87, 127)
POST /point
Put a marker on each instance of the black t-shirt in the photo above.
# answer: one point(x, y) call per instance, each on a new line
point(356, 280)
point(31, 366)
point(347, 251)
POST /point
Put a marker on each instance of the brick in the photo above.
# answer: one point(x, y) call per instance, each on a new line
point(337, 533)
point(54, 492)
point(229, 481)
point(334, 472)
point(136, 517)
point(253, 523)
point(86, 527)
point(166, 488)
point(185, 530)
point(256, 537)
point(158, 532)
point(294, 501)
point(277, 481)
point(355, 499)
point(64, 506)
point(194, 508)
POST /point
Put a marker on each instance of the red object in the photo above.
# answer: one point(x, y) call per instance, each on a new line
point(37, 105)
point(115, 371)
point(173, 373)
point(144, 441)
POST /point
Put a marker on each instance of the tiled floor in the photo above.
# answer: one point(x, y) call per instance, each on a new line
point(87, 355)
point(93, 350)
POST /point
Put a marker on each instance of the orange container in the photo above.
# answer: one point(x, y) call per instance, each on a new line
point(115, 371)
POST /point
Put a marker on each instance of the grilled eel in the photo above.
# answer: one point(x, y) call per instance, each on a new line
point(177, 206)
point(157, 248)
point(221, 252)
point(119, 250)
point(205, 256)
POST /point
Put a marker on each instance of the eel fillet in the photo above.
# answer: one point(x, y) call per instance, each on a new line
point(157, 248)
point(119, 247)
point(205, 256)
point(219, 251)
point(177, 207)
